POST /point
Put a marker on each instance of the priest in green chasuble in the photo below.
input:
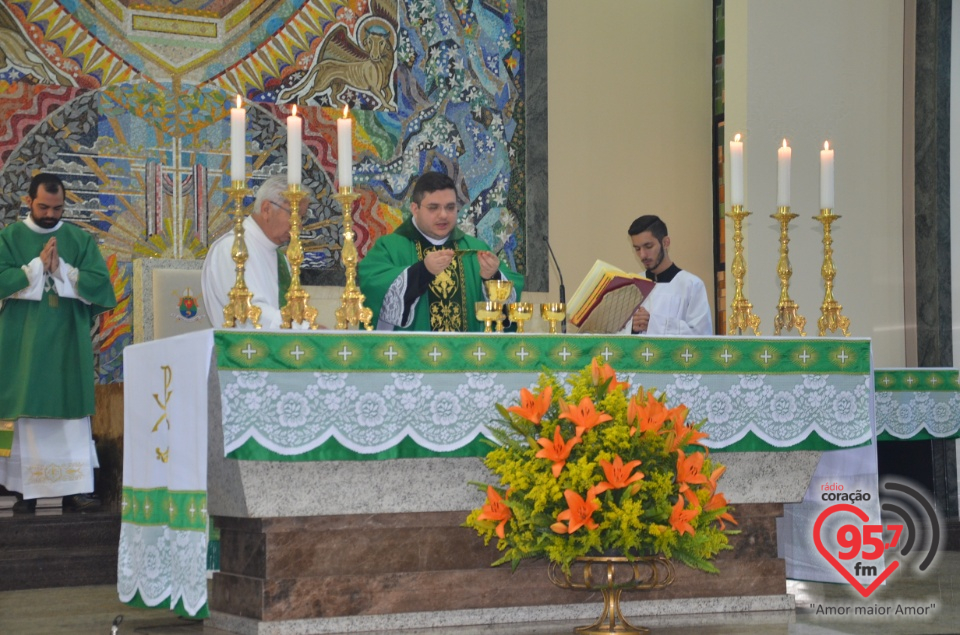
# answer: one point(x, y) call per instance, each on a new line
point(53, 282)
point(428, 275)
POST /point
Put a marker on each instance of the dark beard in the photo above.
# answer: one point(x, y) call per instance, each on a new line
point(660, 259)
point(46, 223)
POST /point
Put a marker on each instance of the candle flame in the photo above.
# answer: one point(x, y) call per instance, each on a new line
point(346, 111)
point(238, 101)
point(784, 142)
point(293, 113)
point(826, 145)
point(737, 138)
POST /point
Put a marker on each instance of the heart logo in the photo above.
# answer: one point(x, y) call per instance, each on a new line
point(862, 515)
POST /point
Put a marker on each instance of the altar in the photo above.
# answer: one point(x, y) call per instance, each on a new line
point(337, 468)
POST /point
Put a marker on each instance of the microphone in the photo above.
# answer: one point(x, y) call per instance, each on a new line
point(563, 291)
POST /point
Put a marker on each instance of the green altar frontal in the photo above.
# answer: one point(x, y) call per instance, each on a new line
point(367, 396)
point(916, 404)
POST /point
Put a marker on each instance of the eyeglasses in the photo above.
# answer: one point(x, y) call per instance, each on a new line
point(283, 207)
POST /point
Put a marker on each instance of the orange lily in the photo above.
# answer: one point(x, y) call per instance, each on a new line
point(680, 518)
point(688, 469)
point(649, 415)
point(557, 450)
point(717, 473)
point(602, 373)
point(584, 416)
point(495, 509)
point(533, 407)
point(618, 475)
point(691, 434)
point(580, 513)
point(715, 503)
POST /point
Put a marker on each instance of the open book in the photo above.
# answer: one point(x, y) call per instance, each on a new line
point(607, 298)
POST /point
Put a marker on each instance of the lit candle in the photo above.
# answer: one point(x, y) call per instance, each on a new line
point(783, 174)
point(294, 141)
point(826, 177)
point(345, 149)
point(238, 122)
point(736, 171)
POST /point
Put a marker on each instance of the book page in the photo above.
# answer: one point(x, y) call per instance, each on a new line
point(608, 315)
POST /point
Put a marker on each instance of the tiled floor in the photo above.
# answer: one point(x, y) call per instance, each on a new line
point(92, 610)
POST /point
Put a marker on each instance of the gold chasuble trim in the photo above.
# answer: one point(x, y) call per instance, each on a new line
point(448, 310)
point(6, 437)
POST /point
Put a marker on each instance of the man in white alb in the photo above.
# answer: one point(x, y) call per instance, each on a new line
point(267, 272)
point(678, 304)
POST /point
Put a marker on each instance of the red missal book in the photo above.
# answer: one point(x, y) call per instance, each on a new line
point(607, 298)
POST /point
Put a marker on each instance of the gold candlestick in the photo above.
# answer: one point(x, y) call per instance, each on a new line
point(351, 312)
point(787, 310)
point(831, 317)
point(239, 308)
point(296, 309)
point(741, 312)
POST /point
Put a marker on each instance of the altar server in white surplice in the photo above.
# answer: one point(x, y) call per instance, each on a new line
point(267, 271)
point(678, 304)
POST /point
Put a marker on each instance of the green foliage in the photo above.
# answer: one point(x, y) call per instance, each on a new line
point(674, 509)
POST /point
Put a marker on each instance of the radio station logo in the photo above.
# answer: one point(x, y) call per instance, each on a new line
point(874, 551)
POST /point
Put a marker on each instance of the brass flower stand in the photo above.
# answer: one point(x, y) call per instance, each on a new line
point(617, 574)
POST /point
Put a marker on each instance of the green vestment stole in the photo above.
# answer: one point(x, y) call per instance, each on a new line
point(283, 276)
point(45, 347)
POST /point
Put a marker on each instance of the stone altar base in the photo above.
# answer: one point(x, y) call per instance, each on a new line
point(327, 574)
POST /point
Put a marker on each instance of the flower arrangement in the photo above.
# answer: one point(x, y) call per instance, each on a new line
point(592, 470)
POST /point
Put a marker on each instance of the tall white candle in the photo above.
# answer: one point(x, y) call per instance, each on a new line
point(345, 149)
point(294, 142)
point(238, 123)
point(783, 174)
point(826, 177)
point(736, 171)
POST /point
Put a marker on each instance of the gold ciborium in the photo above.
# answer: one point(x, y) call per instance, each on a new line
point(498, 290)
point(490, 312)
point(553, 313)
point(520, 312)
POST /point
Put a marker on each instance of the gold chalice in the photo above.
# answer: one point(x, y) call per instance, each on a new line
point(519, 313)
point(490, 312)
point(498, 290)
point(553, 313)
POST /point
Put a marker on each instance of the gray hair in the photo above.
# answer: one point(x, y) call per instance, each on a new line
point(272, 190)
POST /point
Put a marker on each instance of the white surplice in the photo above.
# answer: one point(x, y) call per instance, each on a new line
point(260, 274)
point(677, 307)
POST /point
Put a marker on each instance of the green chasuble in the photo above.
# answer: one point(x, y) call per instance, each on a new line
point(392, 254)
point(45, 346)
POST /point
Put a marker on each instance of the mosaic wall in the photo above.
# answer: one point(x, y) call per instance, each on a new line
point(128, 102)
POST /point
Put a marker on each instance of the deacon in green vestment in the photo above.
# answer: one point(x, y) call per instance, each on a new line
point(53, 282)
point(428, 275)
